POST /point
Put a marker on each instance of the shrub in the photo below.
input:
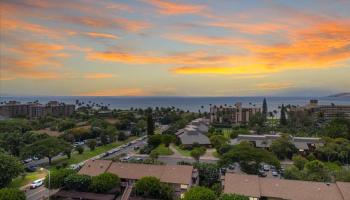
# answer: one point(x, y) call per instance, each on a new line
point(79, 149)
point(104, 182)
point(57, 178)
point(199, 193)
point(11, 194)
point(77, 182)
point(233, 197)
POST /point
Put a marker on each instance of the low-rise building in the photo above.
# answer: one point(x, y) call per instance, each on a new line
point(194, 133)
point(258, 188)
point(265, 141)
point(228, 114)
point(181, 177)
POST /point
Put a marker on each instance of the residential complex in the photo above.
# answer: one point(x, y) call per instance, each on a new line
point(265, 141)
point(36, 110)
point(257, 188)
point(325, 112)
point(181, 177)
point(236, 114)
point(194, 133)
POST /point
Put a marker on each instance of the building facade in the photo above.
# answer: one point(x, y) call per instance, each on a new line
point(180, 177)
point(325, 112)
point(35, 110)
point(236, 114)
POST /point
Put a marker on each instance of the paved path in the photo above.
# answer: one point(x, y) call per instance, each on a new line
point(176, 152)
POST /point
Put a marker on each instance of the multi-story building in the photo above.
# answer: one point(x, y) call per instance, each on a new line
point(232, 114)
point(257, 188)
point(35, 110)
point(180, 177)
point(325, 112)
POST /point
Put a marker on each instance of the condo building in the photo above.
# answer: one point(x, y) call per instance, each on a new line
point(236, 114)
point(326, 112)
point(36, 110)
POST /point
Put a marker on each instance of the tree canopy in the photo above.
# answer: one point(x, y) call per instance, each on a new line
point(249, 157)
point(10, 168)
point(48, 147)
point(104, 182)
point(11, 194)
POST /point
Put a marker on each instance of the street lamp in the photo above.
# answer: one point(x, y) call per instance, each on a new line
point(42, 169)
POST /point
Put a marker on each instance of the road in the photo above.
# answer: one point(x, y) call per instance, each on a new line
point(42, 192)
point(39, 193)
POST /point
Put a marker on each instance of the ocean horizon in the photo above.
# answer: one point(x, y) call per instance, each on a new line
point(191, 103)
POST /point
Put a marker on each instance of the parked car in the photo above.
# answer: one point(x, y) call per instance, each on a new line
point(28, 160)
point(266, 167)
point(31, 168)
point(37, 183)
point(74, 167)
point(274, 173)
point(262, 174)
point(125, 159)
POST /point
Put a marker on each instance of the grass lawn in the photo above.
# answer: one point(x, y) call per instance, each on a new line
point(27, 179)
point(77, 158)
point(182, 151)
point(163, 151)
point(227, 132)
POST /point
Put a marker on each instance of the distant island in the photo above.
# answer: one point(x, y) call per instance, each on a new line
point(344, 94)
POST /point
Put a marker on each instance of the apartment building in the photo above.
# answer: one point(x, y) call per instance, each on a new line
point(36, 110)
point(258, 188)
point(180, 177)
point(325, 112)
point(236, 114)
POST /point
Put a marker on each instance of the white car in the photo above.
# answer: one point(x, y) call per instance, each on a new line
point(274, 173)
point(37, 183)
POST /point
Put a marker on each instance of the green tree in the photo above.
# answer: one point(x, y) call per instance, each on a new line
point(154, 155)
point(167, 139)
point(264, 109)
point(79, 149)
point(218, 141)
point(10, 168)
point(166, 192)
point(316, 171)
point(12, 194)
point(49, 148)
point(148, 186)
point(208, 173)
point(283, 147)
point(104, 182)
point(77, 182)
point(91, 143)
point(57, 178)
point(150, 123)
point(154, 140)
point(299, 162)
point(249, 157)
point(121, 136)
point(283, 118)
point(199, 193)
point(233, 197)
point(197, 152)
point(141, 125)
point(293, 173)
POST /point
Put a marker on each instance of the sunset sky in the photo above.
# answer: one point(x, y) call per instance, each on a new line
point(175, 48)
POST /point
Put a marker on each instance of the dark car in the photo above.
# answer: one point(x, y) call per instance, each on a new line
point(30, 168)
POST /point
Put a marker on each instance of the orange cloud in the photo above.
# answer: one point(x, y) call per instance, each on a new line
point(262, 28)
point(98, 75)
point(207, 40)
point(172, 8)
point(33, 60)
point(118, 92)
point(274, 86)
point(107, 22)
point(101, 35)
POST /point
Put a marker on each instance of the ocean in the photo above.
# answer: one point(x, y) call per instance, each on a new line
point(185, 103)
